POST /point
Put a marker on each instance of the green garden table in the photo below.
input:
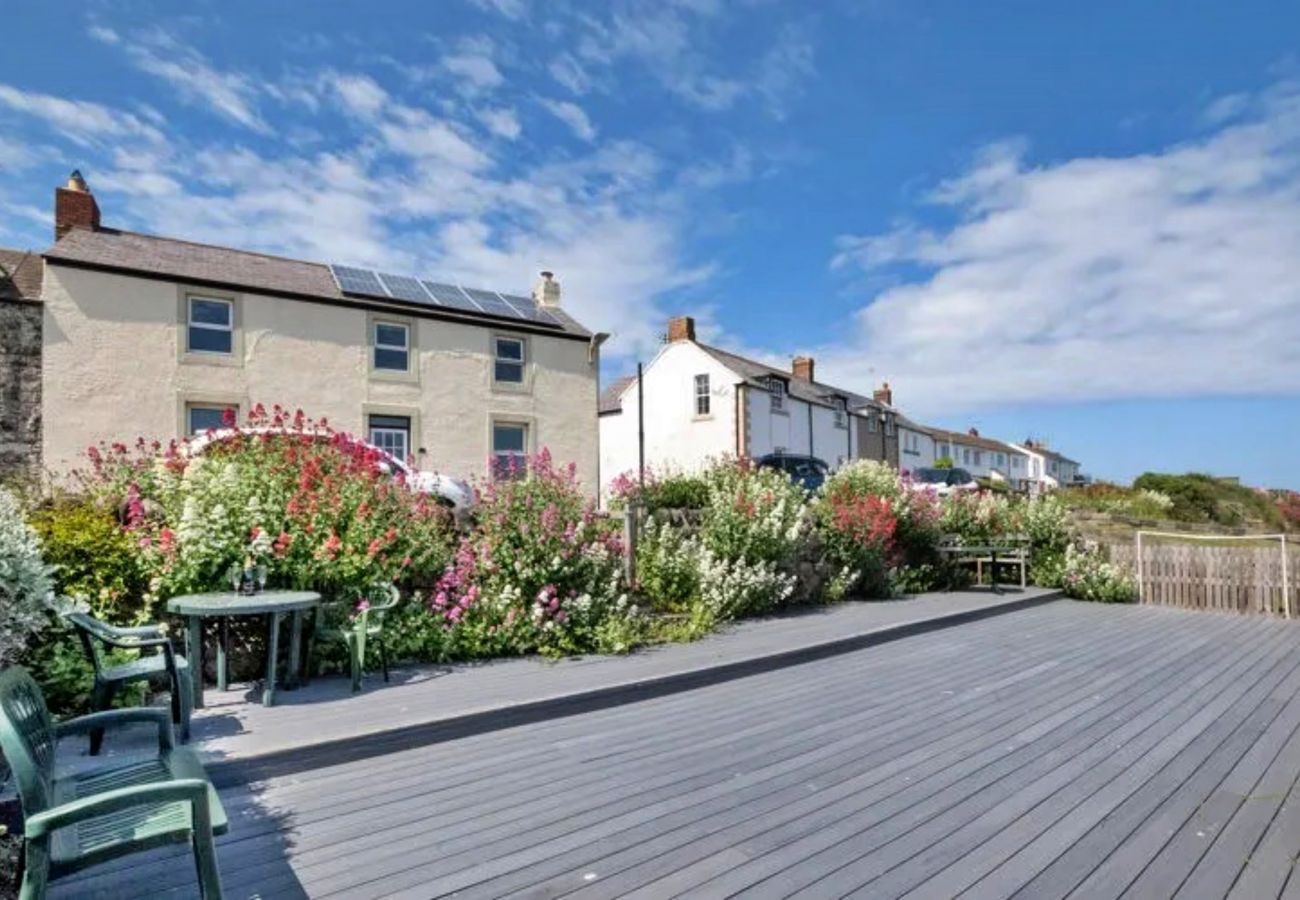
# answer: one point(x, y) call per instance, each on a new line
point(226, 604)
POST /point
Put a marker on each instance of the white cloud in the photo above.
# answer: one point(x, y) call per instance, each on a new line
point(473, 70)
point(573, 115)
point(502, 122)
point(1175, 272)
point(81, 121)
point(511, 9)
point(230, 95)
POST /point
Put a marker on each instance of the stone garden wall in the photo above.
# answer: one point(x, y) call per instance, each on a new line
point(20, 388)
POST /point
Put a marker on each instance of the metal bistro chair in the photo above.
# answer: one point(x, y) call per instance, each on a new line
point(358, 629)
point(96, 636)
point(95, 815)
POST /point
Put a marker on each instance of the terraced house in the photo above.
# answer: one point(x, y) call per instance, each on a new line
point(704, 403)
point(152, 336)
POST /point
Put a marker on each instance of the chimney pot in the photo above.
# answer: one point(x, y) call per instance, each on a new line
point(74, 207)
point(681, 328)
point(802, 368)
point(547, 291)
point(973, 431)
point(883, 394)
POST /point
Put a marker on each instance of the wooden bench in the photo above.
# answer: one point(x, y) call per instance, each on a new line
point(88, 817)
point(1009, 552)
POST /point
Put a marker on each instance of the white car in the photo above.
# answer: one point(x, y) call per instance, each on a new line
point(943, 481)
point(457, 494)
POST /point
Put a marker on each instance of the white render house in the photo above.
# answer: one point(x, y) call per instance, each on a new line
point(1047, 469)
point(982, 457)
point(915, 446)
point(702, 403)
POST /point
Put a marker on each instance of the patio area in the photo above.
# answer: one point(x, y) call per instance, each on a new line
point(323, 722)
point(1055, 749)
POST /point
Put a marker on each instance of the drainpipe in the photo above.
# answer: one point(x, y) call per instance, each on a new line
point(810, 430)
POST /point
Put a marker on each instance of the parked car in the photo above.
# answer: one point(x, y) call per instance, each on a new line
point(454, 493)
point(808, 471)
point(943, 481)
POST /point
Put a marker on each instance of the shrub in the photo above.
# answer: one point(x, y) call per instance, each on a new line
point(732, 588)
point(667, 566)
point(1196, 497)
point(26, 585)
point(977, 518)
point(1045, 521)
point(753, 514)
point(859, 531)
point(542, 572)
point(669, 490)
point(1085, 575)
point(314, 505)
point(97, 562)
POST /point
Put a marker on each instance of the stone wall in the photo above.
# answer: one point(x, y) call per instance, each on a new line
point(20, 388)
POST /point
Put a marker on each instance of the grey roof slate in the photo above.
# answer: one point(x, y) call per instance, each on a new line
point(21, 274)
point(149, 255)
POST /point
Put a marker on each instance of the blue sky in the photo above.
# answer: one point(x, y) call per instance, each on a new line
point(1079, 222)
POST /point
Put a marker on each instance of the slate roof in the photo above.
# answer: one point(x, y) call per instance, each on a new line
point(1050, 454)
point(169, 258)
point(756, 373)
point(969, 440)
point(21, 275)
point(610, 395)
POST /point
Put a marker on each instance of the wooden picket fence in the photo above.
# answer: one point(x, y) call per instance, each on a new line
point(1217, 577)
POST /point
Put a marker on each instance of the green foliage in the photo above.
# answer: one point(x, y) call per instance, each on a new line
point(944, 462)
point(1203, 498)
point(26, 586)
point(1117, 500)
point(662, 490)
point(1085, 575)
point(97, 561)
point(667, 571)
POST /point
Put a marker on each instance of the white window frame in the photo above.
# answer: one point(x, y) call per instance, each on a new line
point(376, 345)
point(872, 425)
point(840, 409)
point(375, 434)
point(499, 456)
point(192, 405)
point(703, 396)
point(190, 324)
point(776, 391)
point(499, 360)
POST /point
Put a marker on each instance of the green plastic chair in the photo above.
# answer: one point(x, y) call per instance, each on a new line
point(164, 666)
point(357, 628)
point(92, 816)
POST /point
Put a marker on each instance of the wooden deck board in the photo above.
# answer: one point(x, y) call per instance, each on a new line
point(1061, 748)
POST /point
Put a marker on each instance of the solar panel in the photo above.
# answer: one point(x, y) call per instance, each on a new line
point(358, 281)
point(529, 309)
point(352, 280)
point(404, 287)
point(451, 296)
point(492, 303)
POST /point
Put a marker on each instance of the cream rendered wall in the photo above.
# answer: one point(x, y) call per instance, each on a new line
point(114, 369)
point(676, 438)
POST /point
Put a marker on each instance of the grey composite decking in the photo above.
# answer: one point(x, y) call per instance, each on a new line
point(324, 719)
point(1067, 749)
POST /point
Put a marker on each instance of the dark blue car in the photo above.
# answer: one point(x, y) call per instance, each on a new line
point(807, 471)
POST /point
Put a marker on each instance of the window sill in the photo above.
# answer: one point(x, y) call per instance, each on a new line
point(512, 387)
point(394, 375)
point(200, 358)
point(707, 417)
point(780, 412)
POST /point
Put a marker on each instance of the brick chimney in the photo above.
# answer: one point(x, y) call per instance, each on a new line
point(883, 394)
point(547, 290)
point(681, 328)
point(802, 368)
point(973, 431)
point(74, 207)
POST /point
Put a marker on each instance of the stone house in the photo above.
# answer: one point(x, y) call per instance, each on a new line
point(158, 337)
point(20, 363)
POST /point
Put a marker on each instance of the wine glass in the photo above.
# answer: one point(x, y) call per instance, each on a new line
point(260, 574)
point(235, 575)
